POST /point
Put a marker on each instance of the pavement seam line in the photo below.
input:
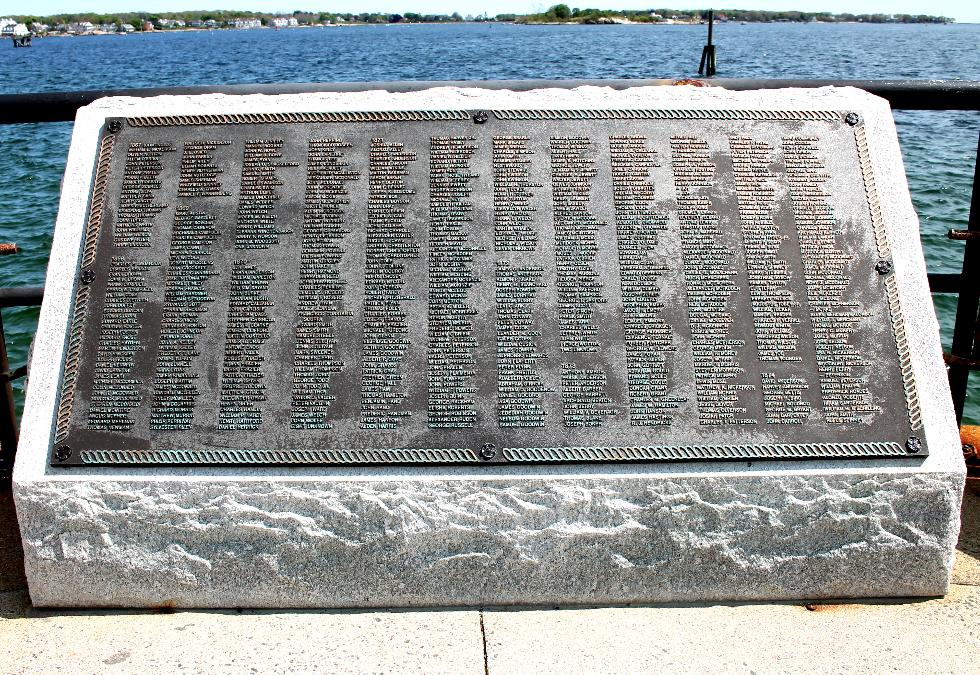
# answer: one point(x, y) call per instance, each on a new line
point(483, 636)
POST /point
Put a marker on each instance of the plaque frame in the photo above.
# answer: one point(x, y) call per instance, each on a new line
point(64, 455)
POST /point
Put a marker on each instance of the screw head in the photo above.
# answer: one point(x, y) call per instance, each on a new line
point(913, 445)
point(852, 118)
point(88, 276)
point(488, 451)
point(62, 453)
point(884, 267)
point(481, 117)
point(114, 126)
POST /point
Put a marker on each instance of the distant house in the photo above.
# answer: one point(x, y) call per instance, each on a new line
point(244, 24)
point(196, 23)
point(108, 28)
point(147, 27)
point(210, 23)
point(284, 22)
point(127, 28)
point(39, 28)
point(10, 28)
point(81, 28)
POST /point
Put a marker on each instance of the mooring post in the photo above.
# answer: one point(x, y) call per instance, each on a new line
point(707, 66)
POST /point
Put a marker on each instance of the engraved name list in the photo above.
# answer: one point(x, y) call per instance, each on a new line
point(402, 287)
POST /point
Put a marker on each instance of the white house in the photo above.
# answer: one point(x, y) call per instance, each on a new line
point(127, 28)
point(7, 26)
point(246, 23)
point(81, 28)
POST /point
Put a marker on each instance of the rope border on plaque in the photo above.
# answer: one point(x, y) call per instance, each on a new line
point(443, 115)
point(700, 452)
point(368, 456)
point(891, 284)
point(93, 228)
point(229, 456)
point(283, 457)
point(670, 114)
point(292, 118)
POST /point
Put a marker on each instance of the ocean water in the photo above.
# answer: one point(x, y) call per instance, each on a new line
point(939, 147)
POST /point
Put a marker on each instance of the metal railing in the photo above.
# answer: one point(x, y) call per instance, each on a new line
point(964, 354)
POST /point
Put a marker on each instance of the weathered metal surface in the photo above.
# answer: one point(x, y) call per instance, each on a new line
point(459, 287)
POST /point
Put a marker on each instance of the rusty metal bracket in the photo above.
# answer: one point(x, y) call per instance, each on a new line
point(963, 235)
point(961, 362)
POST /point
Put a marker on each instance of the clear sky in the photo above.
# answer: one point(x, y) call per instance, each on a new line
point(964, 11)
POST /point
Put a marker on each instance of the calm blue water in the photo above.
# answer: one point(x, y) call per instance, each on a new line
point(939, 148)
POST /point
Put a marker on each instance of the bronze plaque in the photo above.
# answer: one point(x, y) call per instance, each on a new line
point(485, 287)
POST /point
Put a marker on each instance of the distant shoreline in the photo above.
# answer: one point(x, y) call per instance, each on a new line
point(86, 23)
point(224, 29)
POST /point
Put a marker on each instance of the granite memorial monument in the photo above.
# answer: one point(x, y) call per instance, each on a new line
point(466, 347)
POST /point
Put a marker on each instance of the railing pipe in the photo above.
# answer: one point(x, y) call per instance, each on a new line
point(940, 282)
point(904, 94)
point(24, 296)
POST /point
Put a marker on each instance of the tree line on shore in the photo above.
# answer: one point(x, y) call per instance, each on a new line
point(564, 13)
point(560, 13)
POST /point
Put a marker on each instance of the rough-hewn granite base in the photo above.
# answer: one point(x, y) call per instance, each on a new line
point(481, 542)
point(302, 537)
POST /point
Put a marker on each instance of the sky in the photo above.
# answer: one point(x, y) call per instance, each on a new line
point(964, 11)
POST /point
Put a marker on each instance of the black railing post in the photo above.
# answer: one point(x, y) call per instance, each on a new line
point(8, 418)
point(8, 414)
point(965, 345)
